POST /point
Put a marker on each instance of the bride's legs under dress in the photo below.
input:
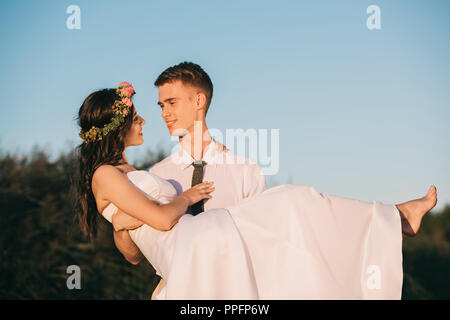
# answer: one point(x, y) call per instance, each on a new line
point(321, 246)
point(292, 242)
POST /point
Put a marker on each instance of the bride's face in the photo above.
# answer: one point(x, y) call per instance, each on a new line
point(135, 136)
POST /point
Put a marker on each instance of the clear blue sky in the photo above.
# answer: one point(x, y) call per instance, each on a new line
point(362, 114)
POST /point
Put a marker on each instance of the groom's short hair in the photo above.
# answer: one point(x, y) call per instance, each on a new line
point(189, 73)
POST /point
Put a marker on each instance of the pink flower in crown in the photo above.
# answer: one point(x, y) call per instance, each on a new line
point(127, 101)
point(127, 91)
point(124, 84)
point(131, 90)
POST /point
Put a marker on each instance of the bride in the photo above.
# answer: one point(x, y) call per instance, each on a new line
point(289, 242)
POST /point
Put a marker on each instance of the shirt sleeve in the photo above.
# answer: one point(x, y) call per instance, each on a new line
point(255, 181)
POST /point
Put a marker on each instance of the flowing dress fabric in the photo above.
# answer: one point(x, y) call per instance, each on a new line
point(309, 245)
point(289, 242)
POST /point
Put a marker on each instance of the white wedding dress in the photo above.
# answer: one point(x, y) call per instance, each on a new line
point(289, 242)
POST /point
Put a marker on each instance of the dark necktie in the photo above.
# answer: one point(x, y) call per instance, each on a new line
point(197, 177)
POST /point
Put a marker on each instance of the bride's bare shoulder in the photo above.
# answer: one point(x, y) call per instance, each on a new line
point(101, 175)
point(103, 178)
point(106, 173)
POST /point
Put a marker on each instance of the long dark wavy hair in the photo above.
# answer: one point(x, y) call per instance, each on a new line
point(96, 110)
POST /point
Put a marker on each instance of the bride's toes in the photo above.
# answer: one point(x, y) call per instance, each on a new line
point(431, 196)
point(431, 191)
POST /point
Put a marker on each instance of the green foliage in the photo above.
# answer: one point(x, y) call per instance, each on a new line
point(40, 238)
point(426, 259)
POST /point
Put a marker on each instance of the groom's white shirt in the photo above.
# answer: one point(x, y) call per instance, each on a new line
point(235, 177)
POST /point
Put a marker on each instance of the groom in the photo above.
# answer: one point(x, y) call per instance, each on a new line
point(185, 93)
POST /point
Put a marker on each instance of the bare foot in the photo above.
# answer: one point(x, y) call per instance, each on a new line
point(412, 212)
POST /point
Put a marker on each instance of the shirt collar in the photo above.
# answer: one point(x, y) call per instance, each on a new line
point(185, 160)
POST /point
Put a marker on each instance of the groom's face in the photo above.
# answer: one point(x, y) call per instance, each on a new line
point(178, 107)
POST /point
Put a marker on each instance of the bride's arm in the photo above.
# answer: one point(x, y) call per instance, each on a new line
point(122, 221)
point(113, 186)
point(127, 247)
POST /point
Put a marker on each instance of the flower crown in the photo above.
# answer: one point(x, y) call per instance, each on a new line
point(121, 109)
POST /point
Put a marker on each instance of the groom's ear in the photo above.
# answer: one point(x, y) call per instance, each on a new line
point(200, 101)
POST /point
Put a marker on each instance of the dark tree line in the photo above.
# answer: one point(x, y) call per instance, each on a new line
point(40, 238)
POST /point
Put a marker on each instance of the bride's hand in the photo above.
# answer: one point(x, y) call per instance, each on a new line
point(199, 192)
point(123, 221)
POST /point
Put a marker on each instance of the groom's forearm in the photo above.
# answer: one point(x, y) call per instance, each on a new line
point(127, 247)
